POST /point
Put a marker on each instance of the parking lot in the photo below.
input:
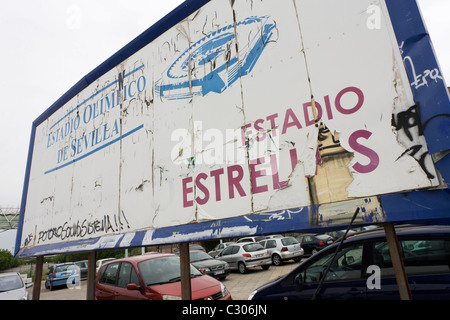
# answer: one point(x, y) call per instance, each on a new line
point(240, 285)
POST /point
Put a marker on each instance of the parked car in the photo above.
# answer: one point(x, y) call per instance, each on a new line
point(192, 246)
point(83, 265)
point(313, 243)
point(12, 287)
point(208, 265)
point(251, 239)
point(425, 250)
point(282, 249)
point(273, 236)
point(100, 262)
point(217, 249)
point(338, 234)
point(63, 274)
point(153, 277)
point(245, 255)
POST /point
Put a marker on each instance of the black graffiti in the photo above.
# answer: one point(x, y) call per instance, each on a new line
point(28, 240)
point(81, 229)
point(407, 121)
point(434, 117)
point(421, 159)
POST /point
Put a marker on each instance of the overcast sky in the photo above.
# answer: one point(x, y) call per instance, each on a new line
point(49, 45)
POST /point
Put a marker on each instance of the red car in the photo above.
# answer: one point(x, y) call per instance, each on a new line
point(153, 277)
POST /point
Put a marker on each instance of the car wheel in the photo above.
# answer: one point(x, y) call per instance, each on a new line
point(242, 268)
point(314, 251)
point(276, 260)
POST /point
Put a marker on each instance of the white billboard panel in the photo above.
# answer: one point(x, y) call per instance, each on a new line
point(242, 107)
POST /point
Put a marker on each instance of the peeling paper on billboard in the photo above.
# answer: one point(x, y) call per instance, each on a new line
point(244, 107)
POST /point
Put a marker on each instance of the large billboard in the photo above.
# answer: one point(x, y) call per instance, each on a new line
point(230, 109)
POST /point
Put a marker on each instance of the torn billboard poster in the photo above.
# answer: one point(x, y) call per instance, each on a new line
point(239, 108)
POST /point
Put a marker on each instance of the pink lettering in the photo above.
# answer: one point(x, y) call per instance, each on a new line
point(234, 182)
point(216, 174)
point(294, 122)
point(337, 101)
point(256, 174)
point(369, 153)
point(308, 120)
point(201, 187)
point(186, 191)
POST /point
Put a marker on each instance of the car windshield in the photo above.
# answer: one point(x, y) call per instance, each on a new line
point(64, 267)
point(199, 256)
point(252, 247)
point(163, 270)
point(11, 282)
point(289, 241)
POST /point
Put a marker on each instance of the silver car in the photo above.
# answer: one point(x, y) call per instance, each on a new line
point(242, 256)
point(282, 249)
point(12, 287)
point(217, 249)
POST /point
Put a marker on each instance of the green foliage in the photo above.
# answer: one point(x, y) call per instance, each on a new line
point(7, 260)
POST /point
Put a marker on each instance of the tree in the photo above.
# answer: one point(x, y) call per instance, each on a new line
point(7, 260)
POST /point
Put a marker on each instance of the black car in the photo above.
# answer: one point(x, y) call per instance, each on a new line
point(426, 255)
point(312, 243)
point(208, 265)
point(83, 265)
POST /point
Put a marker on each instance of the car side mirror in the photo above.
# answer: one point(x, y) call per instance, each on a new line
point(133, 286)
point(298, 281)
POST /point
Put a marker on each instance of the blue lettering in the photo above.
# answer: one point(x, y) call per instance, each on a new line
point(79, 145)
point(76, 122)
point(67, 128)
point(51, 139)
point(129, 89)
point(57, 134)
point(96, 114)
point(85, 141)
point(74, 147)
point(62, 154)
point(115, 129)
point(101, 106)
point(90, 113)
point(141, 84)
point(96, 137)
point(105, 130)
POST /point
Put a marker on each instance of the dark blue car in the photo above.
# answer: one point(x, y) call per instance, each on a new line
point(426, 255)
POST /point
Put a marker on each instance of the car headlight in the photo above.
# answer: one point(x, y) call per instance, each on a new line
point(226, 265)
point(223, 289)
point(252, 294)
point(170, 297)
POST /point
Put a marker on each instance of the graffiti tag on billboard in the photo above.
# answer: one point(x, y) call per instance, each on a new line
point(80, 229)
